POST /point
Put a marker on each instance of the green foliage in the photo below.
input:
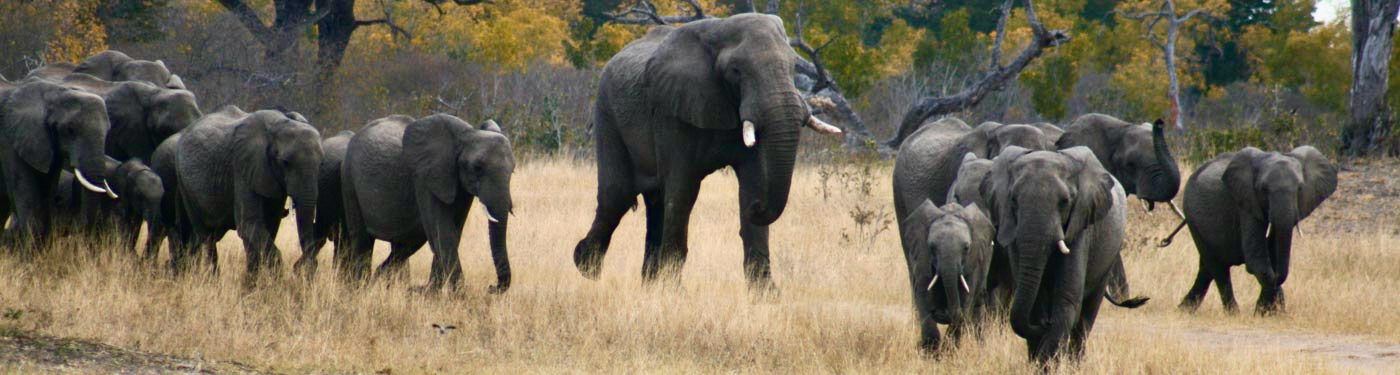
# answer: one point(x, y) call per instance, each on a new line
point(1051, 85)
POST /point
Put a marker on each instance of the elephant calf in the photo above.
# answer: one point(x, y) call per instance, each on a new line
point(948, 251)
point(409, 181)
point(140, 190)
point(1242, 207)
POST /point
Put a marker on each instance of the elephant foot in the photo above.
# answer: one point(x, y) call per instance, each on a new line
point(498, 289)
point(1189, 305)
point(305, 268)
point(587, 260)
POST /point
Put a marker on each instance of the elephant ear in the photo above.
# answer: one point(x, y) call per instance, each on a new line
point(682, 82)
point(981, 141)
point(1239, 180)
point(915, 228)
point(25, 120)
point(175, 82)
point(252, 141)
point(491, 126)
point(1319, 179)
point(996, 190)
point(981, 235)
point(430, 146)
point(1094, 191)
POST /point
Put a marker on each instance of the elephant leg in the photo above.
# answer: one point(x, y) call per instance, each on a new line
point(681, 191)
point(1088, 313)
point(1066, 302)
point(1270, 299)
point(132, 230)
point(442, 223)
point(757, 266)
point(1255, 248)
point(252, 218)
point(614, 198)
point(656, 216)
point(1221, 274)
point(393, 267)
point(32, 202)
point(1198, 289)
point(354, 256)
point(155, 234)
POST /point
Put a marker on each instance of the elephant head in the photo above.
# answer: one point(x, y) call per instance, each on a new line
point(453, 160)
point(1042, 203)
point(1277, 191)
point(52, 127)
point(735, 75)
point(141, 189)
point(117, 66)
point(1137, 155)
point(279, 157)
point(966, 186)
point(949, 249)
point(989, 138)
point(142, 115)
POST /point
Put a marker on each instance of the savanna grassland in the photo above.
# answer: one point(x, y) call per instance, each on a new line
point(844, 305)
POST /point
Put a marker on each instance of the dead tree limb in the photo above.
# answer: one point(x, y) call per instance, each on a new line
point(1167, 13)
point(991, 81)
point(1371, 120)
point(645, 14)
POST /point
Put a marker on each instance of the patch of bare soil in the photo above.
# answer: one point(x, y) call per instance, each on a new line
point(1347, 353)
point(27, 352)
point(1367, 199)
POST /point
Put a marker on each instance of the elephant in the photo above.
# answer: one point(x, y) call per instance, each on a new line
point(1052, 132)
point(236, 171)
point(1242, 208)
point(952, 243)
point(114, 65)
point(45, 128)
point(1137, 155)
point(1060, 215)
point(141, 114)
point(679, 104)
point(141, 191)
point(408, 181)
point(330, 214)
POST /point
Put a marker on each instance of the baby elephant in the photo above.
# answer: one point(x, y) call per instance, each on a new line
point(948, 251)
point(1242, 208)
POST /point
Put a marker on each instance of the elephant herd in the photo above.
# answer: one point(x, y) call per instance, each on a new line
point(1021, 220)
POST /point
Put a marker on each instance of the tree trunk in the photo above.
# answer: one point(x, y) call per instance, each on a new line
point(1173, 88)
point(1373, 24)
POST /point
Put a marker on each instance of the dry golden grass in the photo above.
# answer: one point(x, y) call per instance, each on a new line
point(844, 305)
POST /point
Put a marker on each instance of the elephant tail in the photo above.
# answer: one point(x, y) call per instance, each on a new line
point(1131, 303)
point(1117, 291)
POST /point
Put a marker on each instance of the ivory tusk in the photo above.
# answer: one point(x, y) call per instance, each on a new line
point(491, 218)
point(87, 185)
point(1144, 204)
point(963, 279)
point(930, 283)
point(821, 126)
point(1268, 230)
point(1176, 209)
point(1300, 230)
point(1064, 249)
point(749, 137)
point(110, 192)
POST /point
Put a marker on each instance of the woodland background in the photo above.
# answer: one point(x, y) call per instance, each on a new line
point(1253, 72)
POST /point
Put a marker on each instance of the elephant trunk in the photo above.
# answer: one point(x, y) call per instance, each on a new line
point(777, 152)
point(950, 271)
point(1162, 179)
point(1283, 217)
point(88, 159)
point(1032, 251)
point(303, 191)
point(495, 195)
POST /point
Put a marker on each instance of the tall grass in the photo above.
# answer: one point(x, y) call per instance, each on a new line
point(842, 308)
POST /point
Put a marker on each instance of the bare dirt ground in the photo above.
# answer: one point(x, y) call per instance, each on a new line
point(844, 306)
point(26, 353)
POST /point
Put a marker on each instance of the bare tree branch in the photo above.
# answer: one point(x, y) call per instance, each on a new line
point(385, 21)
point(994, 80)
point(248, 17)
point(822, 80)
point(1001, 32)
point(645, 14)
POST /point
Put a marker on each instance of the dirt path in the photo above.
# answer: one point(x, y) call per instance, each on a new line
point(25, 352)
point(1347, 353)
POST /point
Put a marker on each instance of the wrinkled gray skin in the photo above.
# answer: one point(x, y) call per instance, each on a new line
point(113, 65)
point(1242, 208)
point(45, 128)
point(236, 171)
point(1136, 154)
point(141, 192)
point(954, 243)
point(330, 213)
point(668, 113)
point(142, 115)
point(410, 181)
point(1052, 132)
point(1038, 199)
point(930, 159)
point(174, 224)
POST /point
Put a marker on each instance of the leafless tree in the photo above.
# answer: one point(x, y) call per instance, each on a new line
point(992, 80)
point(1372, 27)
point(1166, 15)
point(821, 92)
